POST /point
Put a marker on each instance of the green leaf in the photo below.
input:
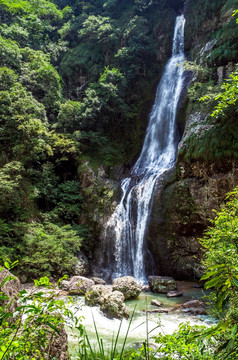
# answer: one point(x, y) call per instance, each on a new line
point(235, 281)
point(213, 282)
point(7, 265)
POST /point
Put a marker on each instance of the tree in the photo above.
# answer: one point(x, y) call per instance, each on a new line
point(11, 186)
point(221, 252)
point(136, 48)
point(8, 78)
point(103, 108)
point(10, 54)
point(41, 78)
point(69, 117)
point(100, 29)
point(23, 123)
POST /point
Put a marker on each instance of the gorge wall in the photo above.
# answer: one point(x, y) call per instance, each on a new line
point(207, 162)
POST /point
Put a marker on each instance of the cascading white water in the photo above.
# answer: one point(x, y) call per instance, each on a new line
point(127, 225)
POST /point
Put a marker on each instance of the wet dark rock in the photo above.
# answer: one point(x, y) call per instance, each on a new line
point(182, 207)
point(161, 284)
point(194, 307)
point(174, 293)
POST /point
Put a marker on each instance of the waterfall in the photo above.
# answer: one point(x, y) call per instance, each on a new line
point(125, 232)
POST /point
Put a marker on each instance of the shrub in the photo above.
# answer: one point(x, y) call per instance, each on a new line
point(49, 250)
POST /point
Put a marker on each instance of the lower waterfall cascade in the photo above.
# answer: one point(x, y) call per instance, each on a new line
point(125, 231)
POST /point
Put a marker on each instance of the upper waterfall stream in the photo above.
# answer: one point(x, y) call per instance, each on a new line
point(126, 229)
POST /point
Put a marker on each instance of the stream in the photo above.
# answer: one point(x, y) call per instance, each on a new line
point(166, 323)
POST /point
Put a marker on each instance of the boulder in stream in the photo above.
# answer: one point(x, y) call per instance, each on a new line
point(193, 304)
point(195, 311)
point(174, 293)
point(96, 294)
point(98, 281)
point(128, 286)
point(114, 306)
point(78, 285)
point(194, 307)
point(156, 303)
point(162, 284)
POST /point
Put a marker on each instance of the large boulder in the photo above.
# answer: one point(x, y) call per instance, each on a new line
point(98, 281)
point(96, 294)
point(10, 288)
point(128, 286)
point(113, 305)
point(162, 284)
point(78, 285)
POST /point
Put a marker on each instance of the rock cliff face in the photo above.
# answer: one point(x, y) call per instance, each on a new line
point(206, 167)
point(181, 213)
point(207, 161)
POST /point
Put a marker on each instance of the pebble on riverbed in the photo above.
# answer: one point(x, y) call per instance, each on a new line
point(174, 293)
point(156, 303)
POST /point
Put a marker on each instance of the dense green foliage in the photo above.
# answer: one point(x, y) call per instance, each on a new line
point(66, 73)
point(221, 250)
point(31, 331)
